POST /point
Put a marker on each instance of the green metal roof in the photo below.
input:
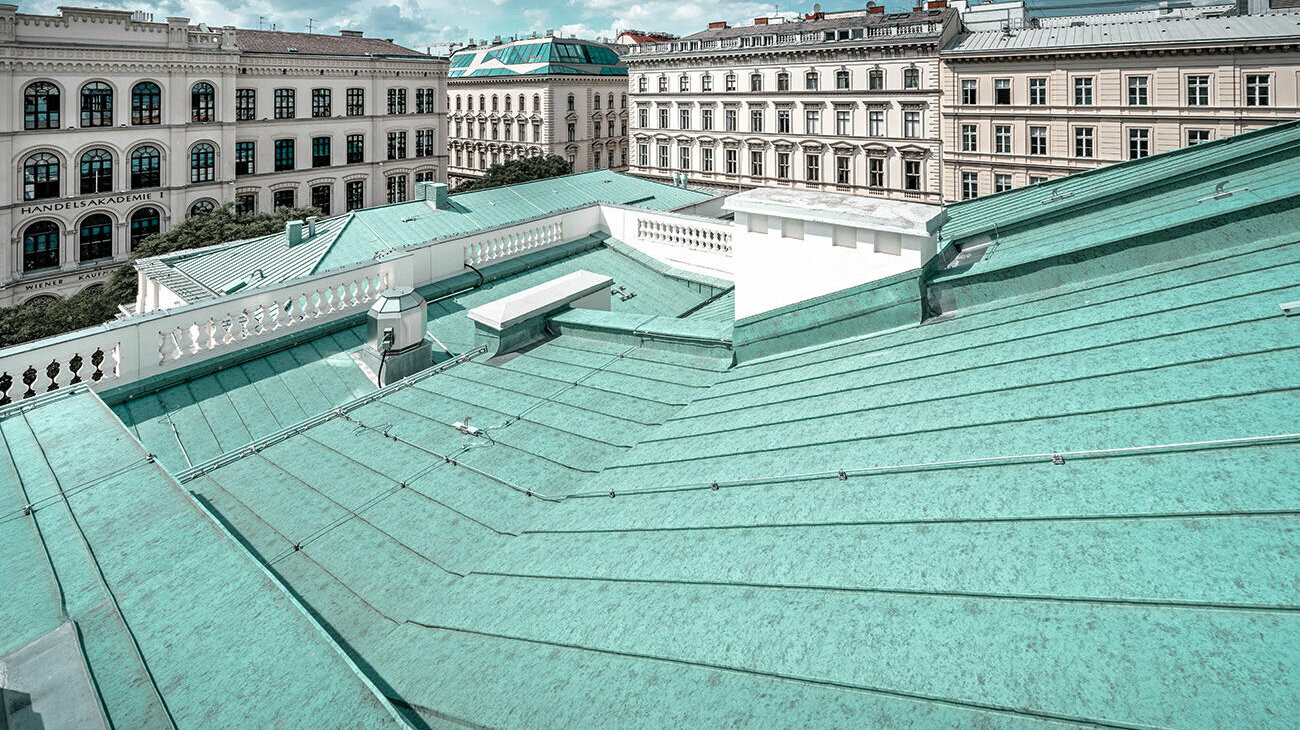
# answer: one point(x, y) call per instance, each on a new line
point(1069, 499)
point(358, 236)
point(177, 623)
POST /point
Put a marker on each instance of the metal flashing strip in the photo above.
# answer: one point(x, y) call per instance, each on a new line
point(255, 445)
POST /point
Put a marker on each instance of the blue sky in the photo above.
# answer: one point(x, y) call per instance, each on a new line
point(422, 23)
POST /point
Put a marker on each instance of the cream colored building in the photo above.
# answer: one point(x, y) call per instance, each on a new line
point(536, 96)
point(846, 101)
point(1036, 103)
point(116, 126)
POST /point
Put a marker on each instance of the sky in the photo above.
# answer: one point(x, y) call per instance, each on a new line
point(421, 24)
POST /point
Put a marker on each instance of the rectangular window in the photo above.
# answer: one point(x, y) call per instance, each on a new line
point(1038, 91)
point(1197, 136)
point(663, 118)
point(842, 80)
point(321, 102)
point(683, 158)
point(912, 175)
point(643, 155)
point(684, 118)
point(397, 145)
point(573, 132)
point(1198, 90)
point(756, 120)
point(812, 167)
point(397, 101)
point(783, 81)
point(1038, 140)
point(843, 122)
point(875, 124)
point(1001, 182)
point(969, 138)
point(663, 156)
point(284, 104)
point(356, 102)
point(320, 152)
point(911, 78)
point(355, 195)
point(729, 159)
point(912, 124)
point(729, 119)
point(876, 172)
point(755, 82)
point(1083, 91)
point(706, 83)
point(283, 199)
point(684, 83)
point(969, 92)
point(970, 185)
point(320, 198)
point(1083, 139)
point(783, 165)
point(1137, 91)
point(245, 105)
point(783, 121)
point(245, 158)
point(756, 163)
point(245, 204)
point(812, 122)
point(843, 171)
point(1001, 91)
point(706, 119)
point(1037, 180)
point(1139, 143)
point(1258, 91)
point(706, 159)
point(283, 154)
point(1002, 139)
point(356, 148)
point(396, 189)
point(731, 82)
point(425, 101)
point(424, 142)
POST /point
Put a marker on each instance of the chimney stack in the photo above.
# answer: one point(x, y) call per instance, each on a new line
point(717, 25)
point(760, 21)
point(293, 230)
point(311, 225)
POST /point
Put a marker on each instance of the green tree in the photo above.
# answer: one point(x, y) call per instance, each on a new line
point(99, 304)
point(517, 171)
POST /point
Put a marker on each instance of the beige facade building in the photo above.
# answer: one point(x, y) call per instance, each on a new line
point(115, 127)
point(846, 101)
point(1051, 98)
point(537, 96)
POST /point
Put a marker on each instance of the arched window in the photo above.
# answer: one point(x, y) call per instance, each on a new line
point(875, 79)
point(96, 105)
point(144, 223)
point(507, 102)
point(521, 102)
point(469, 101)
point(146, 103)
point(202, 207)
point(96, 237)
point(571, 102)
point(146, 168)
point(96, 172)
point(783, 81)
point(203, 103)
point(494, 102)
point(537, 102)
point(482, 103)
point(842, 79)
point(611, 100)
point(595, 102)
point(203, 163)
point(41, 106)
point(458, 102)
point(811, 81)
point(622, 102)
point(40, 246)
point(41, 176)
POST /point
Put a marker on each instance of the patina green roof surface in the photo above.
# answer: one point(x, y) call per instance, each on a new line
point(219, 411)
point(178, 624)
point(954, 576)
point(357, 236)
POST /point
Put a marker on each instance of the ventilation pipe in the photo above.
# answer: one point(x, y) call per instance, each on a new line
point(311, 225)
point(397, 345)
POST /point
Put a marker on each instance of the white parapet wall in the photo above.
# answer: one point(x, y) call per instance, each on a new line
point(793, 245)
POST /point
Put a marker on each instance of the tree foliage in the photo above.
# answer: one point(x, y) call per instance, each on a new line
point(521, 170)
point(99, 304)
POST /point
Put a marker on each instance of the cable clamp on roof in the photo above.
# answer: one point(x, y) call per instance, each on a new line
point(27, 511)
point(611, 494)
point(1058, 459)
point(843, 477)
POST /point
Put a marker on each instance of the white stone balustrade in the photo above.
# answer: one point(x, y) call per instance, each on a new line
point(698, 236)
point(513, 242)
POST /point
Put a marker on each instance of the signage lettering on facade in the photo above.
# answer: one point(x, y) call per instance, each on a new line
point(87, 203)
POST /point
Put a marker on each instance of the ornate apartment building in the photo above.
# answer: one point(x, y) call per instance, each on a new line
point(116, 127)
point(845, 101)
point(536, 96)
point(1032, 103)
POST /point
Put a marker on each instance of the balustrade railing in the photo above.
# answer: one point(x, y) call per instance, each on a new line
point(697, 236)
point(513, 243)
